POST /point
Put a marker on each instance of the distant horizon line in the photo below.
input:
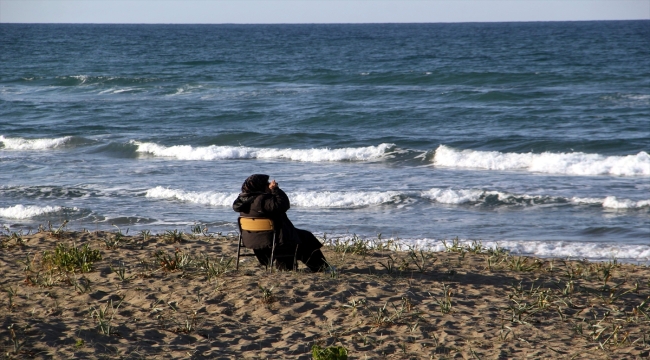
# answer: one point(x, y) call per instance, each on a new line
point(320, 23)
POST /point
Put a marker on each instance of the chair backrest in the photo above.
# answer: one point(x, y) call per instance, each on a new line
point(255, 224)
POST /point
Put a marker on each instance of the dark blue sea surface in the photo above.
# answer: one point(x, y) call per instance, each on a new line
point(533, 136)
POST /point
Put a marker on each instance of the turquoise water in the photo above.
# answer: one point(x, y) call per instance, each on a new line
point(532, 135)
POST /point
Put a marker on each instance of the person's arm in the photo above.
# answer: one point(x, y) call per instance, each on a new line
point(240, 206)
point(278, 202)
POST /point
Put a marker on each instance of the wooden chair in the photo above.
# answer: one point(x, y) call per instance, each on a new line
point(258, 225)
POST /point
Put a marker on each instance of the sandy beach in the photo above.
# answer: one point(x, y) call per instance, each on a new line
point(107, 295)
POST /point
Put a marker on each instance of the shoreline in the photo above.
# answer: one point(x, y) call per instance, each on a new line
point(171, 295)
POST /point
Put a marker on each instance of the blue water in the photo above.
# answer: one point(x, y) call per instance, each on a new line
point(534, 136)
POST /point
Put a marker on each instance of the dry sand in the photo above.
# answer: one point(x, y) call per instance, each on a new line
point(463, 304)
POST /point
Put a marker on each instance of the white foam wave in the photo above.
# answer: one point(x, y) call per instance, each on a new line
point(214, 152)
point(554, 249)
point(477, 196)
point(33, 144)
point(543, 249)
point(355, 199)
point(211, 198)
point(451, 196)
point(575, 163)
point(612, 202)
point(310, 199)
point(347, 199)
point(25, 212)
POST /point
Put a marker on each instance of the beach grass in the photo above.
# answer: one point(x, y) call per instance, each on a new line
point(66, 294)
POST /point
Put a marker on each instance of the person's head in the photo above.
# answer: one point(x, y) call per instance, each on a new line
point(255, 183)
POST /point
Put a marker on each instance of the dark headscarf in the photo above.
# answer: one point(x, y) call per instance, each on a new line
point(255, 183)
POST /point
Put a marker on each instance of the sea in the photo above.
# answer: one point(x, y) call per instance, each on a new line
point(531, 136)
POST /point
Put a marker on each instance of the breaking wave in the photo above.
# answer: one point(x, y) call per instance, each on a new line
point(485, 197)
point(575, 163)
point(34, 144)
point(211, 198)
point(30, 211)
point(214, 152)
point(613, 203)
point(309, 199)
point(550, 249)
point(498, 198)
point(357, 199)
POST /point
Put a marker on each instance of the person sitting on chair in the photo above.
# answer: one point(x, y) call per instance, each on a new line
point(264, 199)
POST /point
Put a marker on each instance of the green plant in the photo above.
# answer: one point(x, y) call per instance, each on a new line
point(15, 341)
point(189, 325)
point(198, 230)
point(120, 271)
point(71, 258)
point(81, 285)
point(476, 247)
point(11, 292)
point(381, 245)
point(17, 237)
point(381, 317)
point(607, 270)
point(329, 353)
point(58, 232)
point(43, 279)
point(179, 261)
point(520, 308)
point(455, 246)
point(113, 242)
point(267, 295)
point(146, 234)
point(444, 303)
point(419, 258)
point(355, 304)
point(215, 268)
point(355, 245)
point(79, 343)
point(103, 317)
point(173, 236)
point(497, 251)
point(389, 265)
point(521, 263)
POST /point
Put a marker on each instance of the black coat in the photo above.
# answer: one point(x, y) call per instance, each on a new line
point(273, 205)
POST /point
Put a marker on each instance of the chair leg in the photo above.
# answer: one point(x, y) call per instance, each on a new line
point(272, 254)
point(295, 259)
point(238, 252)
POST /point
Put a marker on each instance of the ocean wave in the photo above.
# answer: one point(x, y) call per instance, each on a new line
point(211, 198)
point(345, 199)
point(34, 144)
point(75, 80)
point(593, 251)
point(486, 197)
point(575, 163)
point(611, 202)
point(309, 199)
point(357, 199)
point(498, 198)
point(26, 212)
point(550, 249)
point(214, 152)
point(46, 192)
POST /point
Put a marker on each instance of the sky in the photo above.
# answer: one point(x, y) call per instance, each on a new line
point(316, 11)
